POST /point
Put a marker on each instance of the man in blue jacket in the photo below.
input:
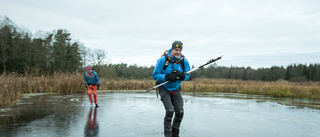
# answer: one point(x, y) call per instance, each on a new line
point(172, 67)
point(92, 83)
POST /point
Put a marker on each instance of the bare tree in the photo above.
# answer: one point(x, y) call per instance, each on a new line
point(100, 55)
point(97, 56)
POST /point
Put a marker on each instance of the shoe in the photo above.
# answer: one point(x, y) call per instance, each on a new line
point(91, 104)
point(97, 105)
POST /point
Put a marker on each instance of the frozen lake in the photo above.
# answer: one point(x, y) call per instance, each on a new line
point(138, 114)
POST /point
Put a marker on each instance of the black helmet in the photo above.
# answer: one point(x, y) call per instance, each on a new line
point(177, 44)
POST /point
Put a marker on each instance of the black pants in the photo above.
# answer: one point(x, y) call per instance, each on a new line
point(173, 103)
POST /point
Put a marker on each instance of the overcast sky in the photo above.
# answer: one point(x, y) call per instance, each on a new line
point(255, 33)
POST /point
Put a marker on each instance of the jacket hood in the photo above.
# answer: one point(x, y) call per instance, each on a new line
point(92, 72)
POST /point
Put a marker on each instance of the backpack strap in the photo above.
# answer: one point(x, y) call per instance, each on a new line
point(182, 62)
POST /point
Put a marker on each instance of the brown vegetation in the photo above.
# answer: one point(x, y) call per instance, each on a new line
point(280, 88)
point(13, 86)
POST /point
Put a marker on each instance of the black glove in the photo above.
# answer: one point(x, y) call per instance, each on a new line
point(170, 77)
point(179, 74)
point(98, 87)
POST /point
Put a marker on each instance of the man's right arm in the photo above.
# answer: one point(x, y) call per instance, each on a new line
point(157, 72)
point(84, 80)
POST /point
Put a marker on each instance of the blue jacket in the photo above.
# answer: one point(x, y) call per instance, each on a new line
point(159, 74)
point(91, 79)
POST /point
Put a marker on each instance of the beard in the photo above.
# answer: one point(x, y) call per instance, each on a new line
point(176, 56)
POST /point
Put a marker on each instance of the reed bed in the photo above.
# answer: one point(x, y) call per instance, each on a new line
point(126, 84)
point(13, 86)
point(280, 88)
point(9, 89)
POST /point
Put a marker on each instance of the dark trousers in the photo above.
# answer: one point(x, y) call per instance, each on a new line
point(173, 103)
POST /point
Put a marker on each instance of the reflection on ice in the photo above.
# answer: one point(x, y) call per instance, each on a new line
point(92, 126)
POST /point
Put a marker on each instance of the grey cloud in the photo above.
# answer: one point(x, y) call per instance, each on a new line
point(246, 32)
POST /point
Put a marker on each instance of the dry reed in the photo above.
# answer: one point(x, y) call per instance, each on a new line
point(280, 88)
point(13, 86)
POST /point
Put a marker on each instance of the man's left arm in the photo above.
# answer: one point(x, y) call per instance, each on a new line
point(186, 69)
point(98, 81)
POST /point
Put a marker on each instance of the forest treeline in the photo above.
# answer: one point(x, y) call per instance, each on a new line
point(42, 53)
point(45, 53)
point(295, 72)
